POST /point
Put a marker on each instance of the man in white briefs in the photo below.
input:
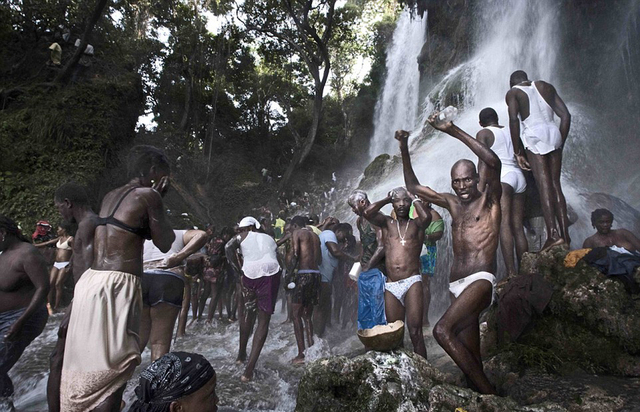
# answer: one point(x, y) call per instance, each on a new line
point(475, 225)
point(514, 184)
point(531, 109)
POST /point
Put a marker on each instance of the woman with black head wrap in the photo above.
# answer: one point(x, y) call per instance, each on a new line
point(177, 382)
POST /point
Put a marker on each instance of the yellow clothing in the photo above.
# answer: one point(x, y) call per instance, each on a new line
point(573, 257)
point(56, 53)
point(315, 229)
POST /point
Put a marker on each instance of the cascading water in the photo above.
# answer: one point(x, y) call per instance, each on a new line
point(399, 101)
point(511, 35)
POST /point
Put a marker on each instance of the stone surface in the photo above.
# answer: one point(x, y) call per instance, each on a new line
point(391, 381)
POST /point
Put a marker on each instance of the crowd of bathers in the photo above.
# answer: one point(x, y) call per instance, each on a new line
point(135, 276)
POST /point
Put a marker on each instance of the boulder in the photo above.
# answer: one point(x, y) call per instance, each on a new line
point(591, 323)
point(391, 381)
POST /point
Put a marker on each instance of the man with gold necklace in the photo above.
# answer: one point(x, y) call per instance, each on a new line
point(402, 238)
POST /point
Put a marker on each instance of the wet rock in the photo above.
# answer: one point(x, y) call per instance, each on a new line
point(591, 326)
point(394, 381)
point(377, 169)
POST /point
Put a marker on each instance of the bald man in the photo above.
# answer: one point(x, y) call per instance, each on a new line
point(475, 228)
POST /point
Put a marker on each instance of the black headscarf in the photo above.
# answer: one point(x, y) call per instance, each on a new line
point(171, 377)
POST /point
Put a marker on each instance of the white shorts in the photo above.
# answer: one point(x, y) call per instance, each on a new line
point(514, 177)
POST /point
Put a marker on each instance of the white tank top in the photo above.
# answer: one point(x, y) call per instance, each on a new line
point(151, 253)
point(539, 109)
point(502, 145)
point(259, 255)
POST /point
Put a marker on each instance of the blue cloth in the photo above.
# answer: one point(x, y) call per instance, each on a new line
point(329, 262)
point(371, 299)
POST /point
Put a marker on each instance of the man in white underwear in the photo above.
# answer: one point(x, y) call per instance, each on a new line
point(475, 225)
point(403, 238)
point(514, 184)
point(531, 109)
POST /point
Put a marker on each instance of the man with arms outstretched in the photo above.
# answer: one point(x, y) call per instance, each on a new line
point(402, 238)
point(475, 225)
point(306, 258)
point(531, 109)
point(513, 183)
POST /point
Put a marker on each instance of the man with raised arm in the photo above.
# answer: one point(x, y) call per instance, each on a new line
point(531, 109)
point(475, 228)
point(103, 340)
point(513, 183)
point(402, 238)
point(370, 236)
point(306, 258)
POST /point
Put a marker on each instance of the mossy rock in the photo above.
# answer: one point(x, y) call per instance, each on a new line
point(591, 323)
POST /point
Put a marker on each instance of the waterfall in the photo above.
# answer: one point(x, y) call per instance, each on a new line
point(511, 35)
point(398, 103)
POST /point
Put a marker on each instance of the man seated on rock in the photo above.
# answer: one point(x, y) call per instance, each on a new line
point(306, 258)
point(402, 238)
point(475, 228)
point(602, 219)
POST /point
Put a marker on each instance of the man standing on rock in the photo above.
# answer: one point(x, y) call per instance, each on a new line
point(475, 228)
point(306, 258)
point(531, 108)
point(514, 184)
point(402, 238)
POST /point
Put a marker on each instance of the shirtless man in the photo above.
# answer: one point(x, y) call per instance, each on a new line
point(103, 344)
point(402, 238)
point(531, 108)
point(72, 203)
point(475, 225)
point(602, 219)
point(513, 183)
point(370, 235)
point(24, 284)
point(260, 279)
point(306, 258)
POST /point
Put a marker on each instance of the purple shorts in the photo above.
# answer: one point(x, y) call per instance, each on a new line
point(262, 292)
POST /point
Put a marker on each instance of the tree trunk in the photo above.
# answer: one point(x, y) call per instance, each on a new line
point(302, 153)
point(63, 75)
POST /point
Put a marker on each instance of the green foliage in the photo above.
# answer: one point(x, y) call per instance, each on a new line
point(51, 137)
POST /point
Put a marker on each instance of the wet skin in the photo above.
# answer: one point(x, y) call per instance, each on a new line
point(402, 240)
point(81, 258)
point(475, 226)
point(606, 237)
point(546, 168)
point(512, 208)
point(306, 255)
point(116, 249)
point(119, 250)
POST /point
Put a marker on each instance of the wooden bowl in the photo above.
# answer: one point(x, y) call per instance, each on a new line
point(383, 337)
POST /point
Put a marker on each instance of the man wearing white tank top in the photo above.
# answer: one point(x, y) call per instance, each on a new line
point(533, 131)
point(513, 183)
